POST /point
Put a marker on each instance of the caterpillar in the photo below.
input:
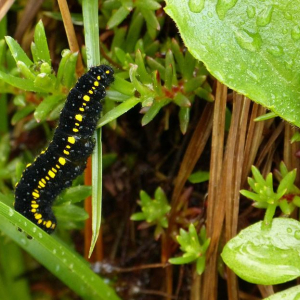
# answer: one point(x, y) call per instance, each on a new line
point(65, 158)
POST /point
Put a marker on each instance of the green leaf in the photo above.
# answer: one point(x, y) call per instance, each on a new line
point(199, 176)
point(118, 111)
point(288, 294)
point(118, 17)
point(41, 45)
point(46, 106)
point(266, 256)
point(70, 212)
point(17, 52)
point(249, 45)
point(58, 259)
point(20, 114)
point(20, 83)
point(75, 194)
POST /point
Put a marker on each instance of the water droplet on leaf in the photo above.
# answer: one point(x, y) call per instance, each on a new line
point(223, 6)
point(250, 11)
point(248, 40)
point(264, 16)
point(196, 6)
point(296, 33)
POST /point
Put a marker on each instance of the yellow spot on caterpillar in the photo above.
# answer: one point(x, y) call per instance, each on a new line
point(86, 98)
point(34, 205)
point(33, 210)
point(98, 77)
point(75, 130)
point(68, 146)
point(81, 109)
point(43, 180)
point(53, 226)
point(28, 165)
point(66, 152)
point(78, 118)
point(107, 72)
point(47, 177)
point(35, 194)
point(43, 152)
point(57, 166)
point(38, 216)
point(96, 83)
point(91, 92)
point(51, 174)
point(36, 190)
point(84, 104)
point(77, 124)
point(32, 201)
point(93, 88)
point(16, 184)
point(48, 224)
point(39, 187)
point(54, 170)
point(39, 221)
point(44, 222)
point(71, 139)
point(62, 161)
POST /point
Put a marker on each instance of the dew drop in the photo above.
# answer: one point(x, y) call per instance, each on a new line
point(11, 212)
point(297, 234)
point(289, 230)
point(288, 15)
point(276, 50)
point(250, 11)
point(253, 75)
point(289, 64)
point(210, 14)
point(196, 6)
point(40, 235)
point(54, 251)
point(223, 6)
point(296, 33)
point(57, 268)
point(264, 16)
point(248, 40)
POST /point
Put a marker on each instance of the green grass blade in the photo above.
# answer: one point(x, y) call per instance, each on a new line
point(58, 259)
point(91, 25)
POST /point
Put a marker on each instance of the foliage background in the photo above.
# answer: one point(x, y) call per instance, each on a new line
point(181, 120)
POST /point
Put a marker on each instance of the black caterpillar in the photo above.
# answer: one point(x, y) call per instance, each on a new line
point(65, 158)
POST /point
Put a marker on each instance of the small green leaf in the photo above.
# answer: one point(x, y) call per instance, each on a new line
point(123, 86)
point(17, 52)
point(20, 83)
point(199, 176)
point(20, 114)
point(41, 46)
point(118, 111)
point(46, 106)
point(184, 118)
point(118, 17)
point(269, 256)
point(25, 70)
point(292, 293)
point(70, 212)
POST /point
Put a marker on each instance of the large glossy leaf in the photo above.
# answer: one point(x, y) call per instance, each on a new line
point(250, 45)
point(266, 255)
